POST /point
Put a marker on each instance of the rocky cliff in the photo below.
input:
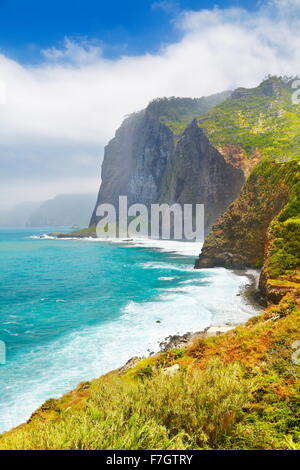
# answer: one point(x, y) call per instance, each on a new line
point(135, 160)
point(200, 150)
point(197, 173)
point(238, 238)
point(161, 155)
point(261, 227)
point(238, 390)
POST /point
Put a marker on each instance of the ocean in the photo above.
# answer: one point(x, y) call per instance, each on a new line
point(71, 310)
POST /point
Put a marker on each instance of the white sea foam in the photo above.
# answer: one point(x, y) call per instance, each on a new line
point(182, 248)
point(92, 351)
point(170, 246)
point(44, 235)
point(165, 278)
point(166, 266)
point(192, 305)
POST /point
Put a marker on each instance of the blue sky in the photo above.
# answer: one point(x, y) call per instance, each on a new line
point(123, 26)
point(71, 70)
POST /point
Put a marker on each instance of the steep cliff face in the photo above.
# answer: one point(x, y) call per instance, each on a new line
point(258, 131)
point(197, 173)
point(238, 237)
point(149, 162)
point(135, 160)
point(281, 267)
point(261, 230)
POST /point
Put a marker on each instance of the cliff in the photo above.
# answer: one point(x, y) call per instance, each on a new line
point(237, 390)
point(196, 173)
point(238, 238)
point(261, 227)
point(256, 124)
point(63, 210)
point(171, 151)
point(160, 155)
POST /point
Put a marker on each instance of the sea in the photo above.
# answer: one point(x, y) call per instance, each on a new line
point(71, 310)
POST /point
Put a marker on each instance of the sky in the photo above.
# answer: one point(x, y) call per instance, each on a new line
point(71, 70)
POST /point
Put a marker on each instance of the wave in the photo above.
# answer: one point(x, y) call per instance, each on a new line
point(190, 301)
point(182, 248)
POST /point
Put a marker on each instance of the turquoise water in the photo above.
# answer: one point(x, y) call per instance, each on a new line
point(71, 310)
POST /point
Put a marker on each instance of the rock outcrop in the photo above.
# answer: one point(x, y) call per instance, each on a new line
point(238, 238)
point(149, 162)
point(261, 230)
point(135, 160)
point(197, 173)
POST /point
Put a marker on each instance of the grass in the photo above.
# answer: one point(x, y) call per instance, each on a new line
point(268, 123)
point(282, 258)
point(237, 391)
point(190, 410)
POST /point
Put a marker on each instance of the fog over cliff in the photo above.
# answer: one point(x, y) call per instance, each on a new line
point(64, 210)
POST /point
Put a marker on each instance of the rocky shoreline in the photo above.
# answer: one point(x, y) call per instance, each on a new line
point(178, 342)
point(251, 294)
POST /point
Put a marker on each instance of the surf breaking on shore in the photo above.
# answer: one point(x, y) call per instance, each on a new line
point(186, 301)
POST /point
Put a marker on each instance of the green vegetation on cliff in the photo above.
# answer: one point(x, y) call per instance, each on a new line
point(261, 229)
point(262, 119)
point(178, 113)
point(238, 237)
point(281, 269)
point(259, 123)
point(240, 390)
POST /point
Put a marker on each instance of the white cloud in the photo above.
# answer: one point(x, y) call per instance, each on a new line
point(60, 114)
point(168, 7)
point(83, 53)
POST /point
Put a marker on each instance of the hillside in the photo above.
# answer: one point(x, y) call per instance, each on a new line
point(239, 390)
point(17, 215)
point(256, 124)
point(261, 228)
point(63, 210)
point(157, 156)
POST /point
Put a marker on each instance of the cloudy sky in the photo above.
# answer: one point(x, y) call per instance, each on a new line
point(70, 70)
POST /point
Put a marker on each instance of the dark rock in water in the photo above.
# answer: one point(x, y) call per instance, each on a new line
point(181, 341)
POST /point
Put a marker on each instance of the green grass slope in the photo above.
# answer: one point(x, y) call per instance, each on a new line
point(240, 390)
point(262, 120)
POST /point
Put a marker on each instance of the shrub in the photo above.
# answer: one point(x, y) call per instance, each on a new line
point(188, 411)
